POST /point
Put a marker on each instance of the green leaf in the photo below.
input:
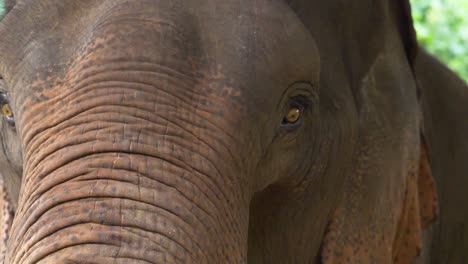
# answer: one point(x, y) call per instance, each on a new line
point(442, 28)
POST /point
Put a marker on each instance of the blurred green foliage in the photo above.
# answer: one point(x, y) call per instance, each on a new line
point(442, 27)
point(2, 7)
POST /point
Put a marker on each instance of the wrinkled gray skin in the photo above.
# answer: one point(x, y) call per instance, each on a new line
point(154, 131)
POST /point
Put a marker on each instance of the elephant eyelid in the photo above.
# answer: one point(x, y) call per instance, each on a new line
point(301, 101)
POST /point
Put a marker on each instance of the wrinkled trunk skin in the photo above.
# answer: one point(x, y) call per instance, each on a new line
point(108, 186)
point(123, 164)
point(123, 200)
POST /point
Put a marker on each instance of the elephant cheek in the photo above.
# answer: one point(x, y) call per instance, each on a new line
point(113, 189)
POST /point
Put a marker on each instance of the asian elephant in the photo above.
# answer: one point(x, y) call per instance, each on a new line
point(204, 131)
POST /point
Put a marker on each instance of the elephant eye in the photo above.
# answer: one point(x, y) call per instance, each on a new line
point(293, 115)
point(295, 112)
point(6, 110)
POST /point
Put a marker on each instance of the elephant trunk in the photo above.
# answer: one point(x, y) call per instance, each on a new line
point(111, 176)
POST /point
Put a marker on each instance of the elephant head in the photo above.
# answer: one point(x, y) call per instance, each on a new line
point(211, 132)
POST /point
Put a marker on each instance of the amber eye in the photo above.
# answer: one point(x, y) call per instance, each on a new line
point(6, 111)
point(293, 115)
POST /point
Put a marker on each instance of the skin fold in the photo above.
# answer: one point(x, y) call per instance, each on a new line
point(159, 132)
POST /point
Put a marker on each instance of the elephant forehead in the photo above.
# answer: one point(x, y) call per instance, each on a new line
point(261, 45)
point(258, 44)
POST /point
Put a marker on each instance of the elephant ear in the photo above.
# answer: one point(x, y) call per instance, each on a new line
point(444, 97)
point(420, 209)
point(399, 240)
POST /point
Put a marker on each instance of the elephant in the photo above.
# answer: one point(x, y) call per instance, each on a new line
point(264, 131)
